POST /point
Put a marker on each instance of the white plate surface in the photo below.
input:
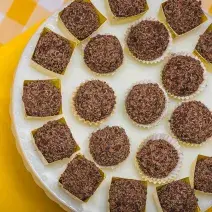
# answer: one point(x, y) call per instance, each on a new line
point(130, 72)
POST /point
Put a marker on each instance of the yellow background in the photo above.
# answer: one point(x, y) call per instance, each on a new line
point(18, 191)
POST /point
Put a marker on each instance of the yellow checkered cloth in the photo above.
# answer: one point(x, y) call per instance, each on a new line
point(18, 15)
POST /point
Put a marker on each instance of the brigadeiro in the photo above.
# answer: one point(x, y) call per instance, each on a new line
point(148, 40)
point(203, 175)
point(183, 76)
point(81, 178)
point(204, 46)
point(157, 158)
point(146, 104)
point(80, 18)
point(127, 8)
point(103, 54)
point(52, 52)
point(183, 15)
point(42, 98)
point(54, 141)
point(127, 195)
point(109, 146)
point(94, 101)
point(177, 196)
point(191, 123)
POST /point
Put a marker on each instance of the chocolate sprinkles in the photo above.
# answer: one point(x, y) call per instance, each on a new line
point(81, 178)
point(103, 54)
point(41, 98)
point(127, 195)
point(177, 196)
point(183, 15)
point(127, 8)
point(182, 75)
point(191, 122)
point(203, 175)
point(80, 18)
point(148, 40)
point(94, 101)
point(109, 146)
point(52, 52)
point(157, 158)
point(145, 103)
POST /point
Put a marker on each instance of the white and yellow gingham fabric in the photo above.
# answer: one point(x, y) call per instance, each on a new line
point(18, 15)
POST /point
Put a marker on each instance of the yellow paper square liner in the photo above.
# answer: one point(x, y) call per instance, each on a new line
point(74, 197)
point(162, 18)
point(144, 183)
point(158, 205)
point(40, 67)
point(63, 121)
point(122, 20)
point(57, 84)
point(193, 167)
point(67, 33)
point(195, 52)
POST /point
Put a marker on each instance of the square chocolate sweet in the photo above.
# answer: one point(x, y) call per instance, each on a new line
point(80, 19)
point(54, 141)
point(203, 174)
point(127, 195)
point(81, 178)
point(42, 98)
point(52, 52)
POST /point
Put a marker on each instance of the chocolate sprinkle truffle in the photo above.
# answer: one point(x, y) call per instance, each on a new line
point(203, 175)
point(52, 52)
point(204, 46)
point(145, 103)
point(157, 158)
point(183, 15)
point(148, 40)
point(177, 196)
point(80, 18)
point(127, 8)
point(81, 178)
point(41, 98)
point(182, 76)
point(103, 54)
point(94, 101)
point(127, 195)
point(109, 146)
point(191, 122)
point(55, 141)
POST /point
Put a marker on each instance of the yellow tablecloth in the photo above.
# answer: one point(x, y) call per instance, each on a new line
point(18, 191)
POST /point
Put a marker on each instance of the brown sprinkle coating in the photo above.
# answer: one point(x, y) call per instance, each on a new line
point(157, 158)
point(177, 196)
point(109, 146)
point(52, 52)
point(126, 195)
point(94, 101)
point(183, 15)
point(80, 18)
point(204, 46)
point(103, 54)
point(182, 75)
point(145, 103)
point(55, 141)
point(41, 98)
point(127, 8)
point(148, 40)
point(191, 122)
point(203, 175)
point(81, 178)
